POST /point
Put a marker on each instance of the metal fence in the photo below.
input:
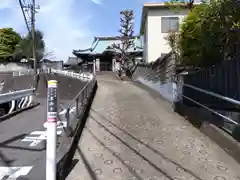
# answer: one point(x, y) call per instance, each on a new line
point(217, 90)
point(223, 79)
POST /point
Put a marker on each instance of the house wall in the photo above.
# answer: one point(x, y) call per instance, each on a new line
point(145, 38)
point(53, 64)
point(156, 44)
point(158, 77)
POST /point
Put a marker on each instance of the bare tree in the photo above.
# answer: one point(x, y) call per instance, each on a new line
point(126, 37)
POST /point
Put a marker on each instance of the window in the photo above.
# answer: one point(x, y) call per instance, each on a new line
point(169, 24)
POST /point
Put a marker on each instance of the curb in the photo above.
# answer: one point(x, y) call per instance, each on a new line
point(204, 121)
point(65, 161)
point(223, 139)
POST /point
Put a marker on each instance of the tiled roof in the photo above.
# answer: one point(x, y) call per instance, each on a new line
point(73, 61)
point(102, 43)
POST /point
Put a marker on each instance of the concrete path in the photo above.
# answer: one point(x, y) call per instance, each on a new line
point(132, 134)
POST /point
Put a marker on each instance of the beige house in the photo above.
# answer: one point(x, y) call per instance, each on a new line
point(157, 20)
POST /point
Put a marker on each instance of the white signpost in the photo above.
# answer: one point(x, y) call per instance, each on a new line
point(51, 131)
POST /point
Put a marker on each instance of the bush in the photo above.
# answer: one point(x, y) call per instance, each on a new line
point(206, 34)
point(190, 37)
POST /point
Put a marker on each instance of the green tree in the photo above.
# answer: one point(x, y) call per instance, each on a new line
point(8, 40)
point(206, 35)
point(220, 19)
point(190, 37)
point(25, 46)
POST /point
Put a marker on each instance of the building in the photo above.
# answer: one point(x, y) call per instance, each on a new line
point(46, 63)
point(157, 20)
point(104, 56)
point(73, 64)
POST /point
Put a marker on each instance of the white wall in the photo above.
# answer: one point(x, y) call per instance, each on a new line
point(145, 38)
point(156, 44)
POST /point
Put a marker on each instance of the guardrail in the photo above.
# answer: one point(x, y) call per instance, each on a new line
point(23, 72)
point(17, 99)
point(24, 98)
point(82, 76)
point(224, 98)
point(75, 107)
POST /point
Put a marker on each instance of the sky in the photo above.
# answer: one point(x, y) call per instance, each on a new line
point(71, 24)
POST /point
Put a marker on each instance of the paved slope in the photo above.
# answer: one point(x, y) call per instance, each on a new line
point(133, 134)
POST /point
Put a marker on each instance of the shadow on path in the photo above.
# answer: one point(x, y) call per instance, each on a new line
point(146, 145)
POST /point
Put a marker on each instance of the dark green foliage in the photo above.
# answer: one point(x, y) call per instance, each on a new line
point(8, 41)
point(206, 36)
point(25, 47)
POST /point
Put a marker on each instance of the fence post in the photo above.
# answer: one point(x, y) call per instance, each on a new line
point(77, 107)
point(51, 130)
point(94, 66)
point(67, 116)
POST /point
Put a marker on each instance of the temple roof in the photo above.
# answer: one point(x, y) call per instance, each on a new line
point(73, 61)
point(101, 44)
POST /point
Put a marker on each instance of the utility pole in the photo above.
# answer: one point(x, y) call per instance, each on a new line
point(32, 7)
point(33, 11)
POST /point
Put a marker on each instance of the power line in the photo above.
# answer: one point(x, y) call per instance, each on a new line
point(24, 15)
point(33, 11)
point(25, 8)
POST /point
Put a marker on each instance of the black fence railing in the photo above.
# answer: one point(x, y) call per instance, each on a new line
point(222, 79)
point(214, 93)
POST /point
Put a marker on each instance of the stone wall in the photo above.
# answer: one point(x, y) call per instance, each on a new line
point(158, 75)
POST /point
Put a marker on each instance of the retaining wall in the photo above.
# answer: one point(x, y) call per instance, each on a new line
point(151, 78)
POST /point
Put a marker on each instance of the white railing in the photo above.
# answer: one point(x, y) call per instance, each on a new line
point(6, 97)
point(81, 76)
point(23, 72)
point(17, 99)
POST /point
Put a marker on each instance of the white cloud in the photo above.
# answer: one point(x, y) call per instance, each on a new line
point(5, 4)
point(97, 1)
point(64, 29)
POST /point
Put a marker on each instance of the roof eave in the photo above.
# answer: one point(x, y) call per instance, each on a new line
point(107, 38)
point(143, 20)
point(147, 6)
